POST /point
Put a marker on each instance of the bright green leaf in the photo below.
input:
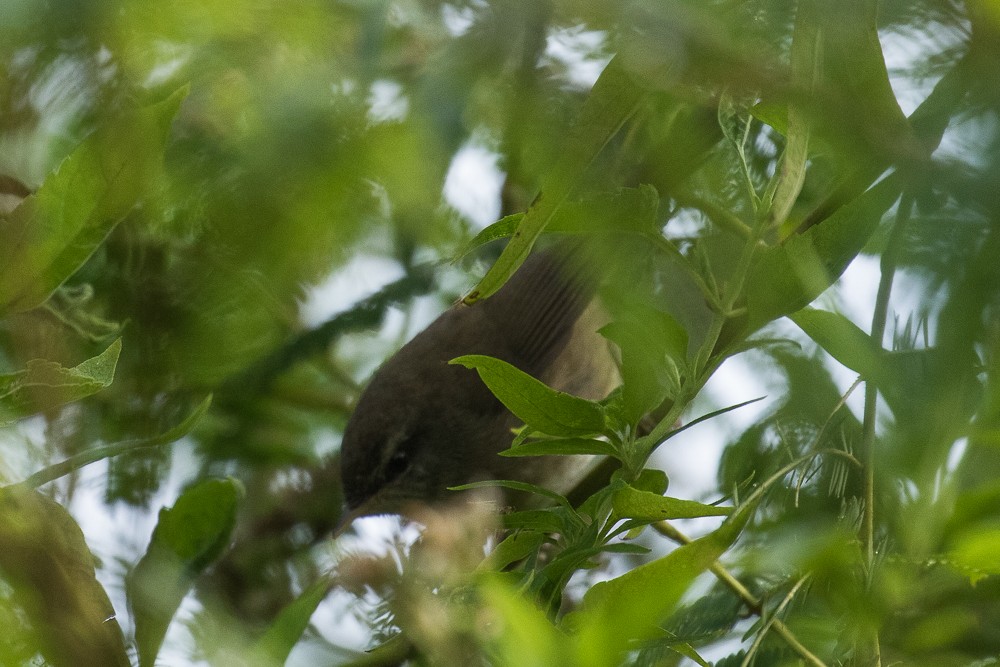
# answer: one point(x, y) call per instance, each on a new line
point(976, 553)
point(501, 229)
point(540, 407)
point(43, 385)
point(631, 503)
point(524, 636)
point(651, 480)
point(631, 606)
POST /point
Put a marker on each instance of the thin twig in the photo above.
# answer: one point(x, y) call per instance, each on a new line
point(85, 458)
point(879, 317)
point(770, 621)
point(746, 596)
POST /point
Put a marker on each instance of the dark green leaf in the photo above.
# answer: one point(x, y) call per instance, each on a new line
point(844, 340)
point(612, 101)
point(563, 447)
point(786, 278)
point(541, 521)
point(516, 546)
point(541, 408)
point(53, 231)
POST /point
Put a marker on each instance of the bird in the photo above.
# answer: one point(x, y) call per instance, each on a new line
point(422, 425)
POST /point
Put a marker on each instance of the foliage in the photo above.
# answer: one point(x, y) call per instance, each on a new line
point(195, 169)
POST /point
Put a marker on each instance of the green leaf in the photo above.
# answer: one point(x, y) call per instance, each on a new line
point(187, 538)
point(631, 503)
point(540, 521)
point(53, 231)
point(46, 563)
point(688, 651)
point(861, 105)
point(786, 278)
point(645, 441)
point(629, 607)
point(844, 340)
point(775, 115)
point(514, 485)
point(516, 546)
point(625, 548)
point(976, 553)
point(88, 456)
point(501, 229)
point(652, 481)
point(653, 350)
point(805, 66)
point(277, 642)
point(911, 381)
point(612, 101)
point(540, 407)
point(44, 385)
point(627, 210)
point(563, 447)
point(525, 636)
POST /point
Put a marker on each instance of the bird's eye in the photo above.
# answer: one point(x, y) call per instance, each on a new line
point(396, 465)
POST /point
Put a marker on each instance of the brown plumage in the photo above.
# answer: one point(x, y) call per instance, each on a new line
point(422, 425)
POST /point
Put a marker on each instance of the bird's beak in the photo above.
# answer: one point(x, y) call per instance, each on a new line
point(381, 504)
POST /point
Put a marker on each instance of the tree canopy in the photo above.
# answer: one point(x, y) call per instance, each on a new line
point(180, 182)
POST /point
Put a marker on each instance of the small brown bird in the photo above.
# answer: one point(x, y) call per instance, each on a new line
point(423, 425)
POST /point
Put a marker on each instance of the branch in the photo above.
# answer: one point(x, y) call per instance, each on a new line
point(745, 595)
point(85, 458)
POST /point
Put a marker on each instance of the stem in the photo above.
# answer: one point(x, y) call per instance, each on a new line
point(85, 458)
point(704, 364)
point(770, 622)
point(888, 269)
point(746, 596)
point(671, 250)
point(879, 317)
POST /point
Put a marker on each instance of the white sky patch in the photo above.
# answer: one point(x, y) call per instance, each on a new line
point(386, 101)
point(457, 20)
point(473, 183)
point(169, 58)
point(956, 454)
point(580, 52)
point(900, 54)
point(362, 276)
point(691, 459)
